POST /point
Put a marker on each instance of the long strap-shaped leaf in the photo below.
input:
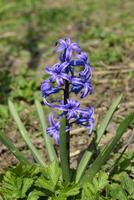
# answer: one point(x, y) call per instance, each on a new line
point(102, 127)
point(104, 155)
point(99, 133)
point(24, 133)
point(19, 155)
point(49, 146)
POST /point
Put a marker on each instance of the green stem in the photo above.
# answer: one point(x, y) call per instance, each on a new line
point(65, 141)
point(66, 96)
point(64, 152)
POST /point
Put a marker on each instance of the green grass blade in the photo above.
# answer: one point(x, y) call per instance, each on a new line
point(83, 164)
point(19, 155)
point(24, 133)
point(104, 155)
point(99, 133)
point(64, 152)
point(102, 127)
point(48, 142)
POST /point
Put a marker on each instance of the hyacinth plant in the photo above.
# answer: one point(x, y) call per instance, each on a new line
point(71, 76)
point(66, 77)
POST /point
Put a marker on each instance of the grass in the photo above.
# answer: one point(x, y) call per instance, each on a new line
point(104, 28)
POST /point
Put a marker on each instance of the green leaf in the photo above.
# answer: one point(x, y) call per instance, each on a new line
point(43, 183)
point(83, 164)
point(92, 190)
point(70, 190)
point(53, 171)
point(28, 171)
point(102, 127)
point(4, 111)
point(117, 193)
point(49, 146)
point(24, 133)
point(125, 181)
point(126, 163)
point(104, 155)
point(58, 197)
point(27, 182)
point(15, 187)
point(49, 178)
point(128, 184)
point(35, 195)
point(18, 182)
point(102, 180)
point(19, 155)
point(89, 192)
point(99, 133)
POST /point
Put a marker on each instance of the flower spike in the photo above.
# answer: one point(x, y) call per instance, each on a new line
point(63, 78)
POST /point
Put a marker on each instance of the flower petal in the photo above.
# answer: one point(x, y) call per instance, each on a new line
point(51, 119)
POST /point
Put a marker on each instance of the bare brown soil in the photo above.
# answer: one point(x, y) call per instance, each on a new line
point(109, 82)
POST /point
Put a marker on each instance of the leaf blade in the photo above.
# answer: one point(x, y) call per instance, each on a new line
point(101, 129)
point(19, 155)
point(49, 146)
point(99, 133)
point(103, 156)
point(24, 133)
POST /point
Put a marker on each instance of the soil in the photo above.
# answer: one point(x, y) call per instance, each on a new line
point(108, 82)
